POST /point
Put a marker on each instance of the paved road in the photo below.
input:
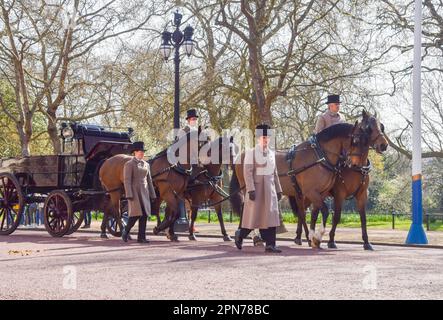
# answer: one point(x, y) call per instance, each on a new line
point(37, 266)
point(376, 235)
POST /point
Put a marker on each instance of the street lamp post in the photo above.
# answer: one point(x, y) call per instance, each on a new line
point(173, 41)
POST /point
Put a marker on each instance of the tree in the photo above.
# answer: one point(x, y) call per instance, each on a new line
point(396, 21)
point(43, 42)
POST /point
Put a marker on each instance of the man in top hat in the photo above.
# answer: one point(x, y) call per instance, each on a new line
point(331, 116)
point(192, 120)
point(191, 125)
point(139, 191)
point(263, 191)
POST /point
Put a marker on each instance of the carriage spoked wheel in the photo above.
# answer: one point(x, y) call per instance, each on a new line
point(77, 220)
point(58, 213)
point(115, 225)
point(11, 203)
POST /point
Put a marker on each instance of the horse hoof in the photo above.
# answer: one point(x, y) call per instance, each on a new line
point(310, 243)
point(103, 236)
point(173, 238)
point(298, 241)
point(315, 243)
point(192, 237)
point(332, 245)
point(227, 238)
point(367, 246)
point(258, 242)
point(156, 231)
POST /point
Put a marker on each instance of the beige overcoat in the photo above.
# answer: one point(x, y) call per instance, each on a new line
point(138, 186)
point(328, 119)
point(260, 173)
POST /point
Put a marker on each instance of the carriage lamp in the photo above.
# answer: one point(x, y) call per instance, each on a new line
point(67, 133)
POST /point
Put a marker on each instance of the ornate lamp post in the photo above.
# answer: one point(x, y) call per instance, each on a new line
point(172, 41)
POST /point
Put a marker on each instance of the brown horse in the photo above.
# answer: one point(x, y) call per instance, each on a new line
point(353, 182)
point(204, 184)
point(170, 181)
point(310, 173)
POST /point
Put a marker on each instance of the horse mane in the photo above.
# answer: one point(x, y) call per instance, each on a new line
point(158, 155)
point(165, 151)
point(340, 130)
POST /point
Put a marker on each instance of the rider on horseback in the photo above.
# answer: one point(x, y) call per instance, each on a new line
point(331, 116)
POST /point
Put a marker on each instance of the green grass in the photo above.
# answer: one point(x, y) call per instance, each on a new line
point(348, 220)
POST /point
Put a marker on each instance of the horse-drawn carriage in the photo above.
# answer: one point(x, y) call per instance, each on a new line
point(67, 184)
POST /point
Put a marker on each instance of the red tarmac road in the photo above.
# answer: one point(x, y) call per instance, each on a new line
point(83, 266)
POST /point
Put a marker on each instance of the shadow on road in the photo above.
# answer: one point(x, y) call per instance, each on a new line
point(104, 246)
point(230, 251)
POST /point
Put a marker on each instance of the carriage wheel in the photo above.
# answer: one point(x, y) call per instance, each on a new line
point(77, 220)
point(11, 203)
point(58, 213)
point(113, 226)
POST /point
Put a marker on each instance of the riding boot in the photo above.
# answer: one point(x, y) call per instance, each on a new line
point(142, 229)
point(264, 234)
point(127, 229)
point(270, 235)
point(244, 232)
point(240, 234)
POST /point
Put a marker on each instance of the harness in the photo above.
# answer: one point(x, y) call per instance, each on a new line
point(175, 166)
point(213, 182)
point(321, 159)
point(363, 170)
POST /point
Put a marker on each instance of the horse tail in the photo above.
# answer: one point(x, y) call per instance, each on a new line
point(235, 199)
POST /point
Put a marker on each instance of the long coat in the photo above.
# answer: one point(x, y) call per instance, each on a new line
point(138, 186)
point(260, 174)
point(327, 119)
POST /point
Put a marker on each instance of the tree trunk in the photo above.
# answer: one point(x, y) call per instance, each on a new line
point(24, 141)
point(53, 132)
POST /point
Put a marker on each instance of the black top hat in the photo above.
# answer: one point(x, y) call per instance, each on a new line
point(138, 146)
point(333, 98)
point(191, 113)
point(262, 130)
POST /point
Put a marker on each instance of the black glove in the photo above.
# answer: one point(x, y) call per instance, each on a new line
point(252, 195)
point(279, 196)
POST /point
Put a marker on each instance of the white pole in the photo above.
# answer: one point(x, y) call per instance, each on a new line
point(416, 93)
point(416, 233)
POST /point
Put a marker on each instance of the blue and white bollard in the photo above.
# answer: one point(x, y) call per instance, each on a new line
point(417, 233)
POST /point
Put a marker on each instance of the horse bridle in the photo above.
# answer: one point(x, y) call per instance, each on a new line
point(364, 170)
point(357, 140)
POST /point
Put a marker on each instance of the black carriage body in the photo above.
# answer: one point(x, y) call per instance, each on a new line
point(67, 183)
point(73, 170)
